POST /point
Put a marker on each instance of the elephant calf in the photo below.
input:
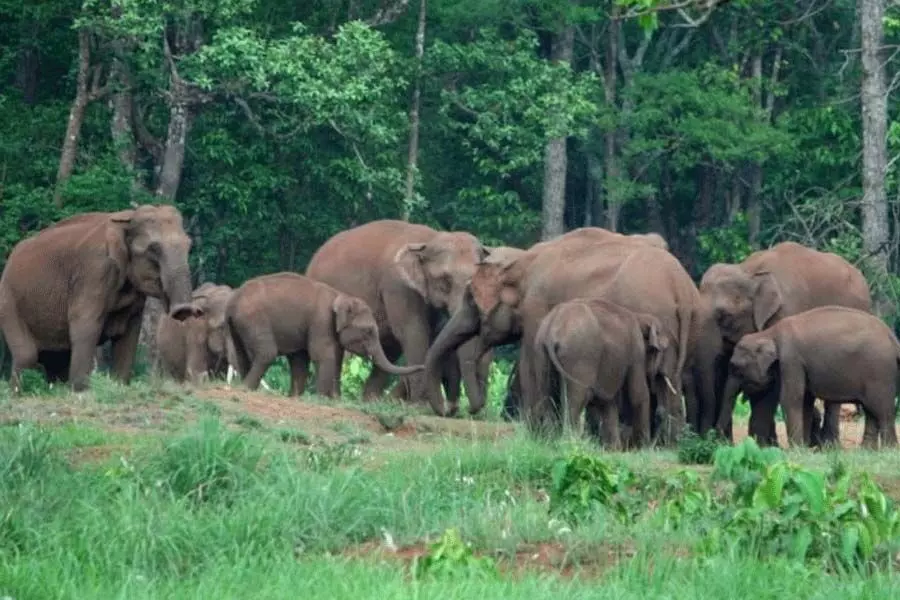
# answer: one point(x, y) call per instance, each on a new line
point(836, 353)
point(195, 348)
point(303, 319)
point(607, 355)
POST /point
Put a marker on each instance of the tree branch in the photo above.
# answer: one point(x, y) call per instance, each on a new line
point(388, 14)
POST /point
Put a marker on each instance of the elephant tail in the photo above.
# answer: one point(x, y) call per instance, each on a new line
point(552, 351)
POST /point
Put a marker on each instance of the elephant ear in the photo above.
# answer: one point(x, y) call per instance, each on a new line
point(346, 308)
point(116, 244)
point(766, 354)
point(655, 342)
point(410, 261)
point(767, 300)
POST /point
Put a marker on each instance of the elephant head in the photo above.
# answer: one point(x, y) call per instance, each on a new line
point(439, 269)
point(742, 302)
point(662, 358)
point(205, 345)
point(357, 332)
point(489, 310)
point(752, 368)
point(150, 247)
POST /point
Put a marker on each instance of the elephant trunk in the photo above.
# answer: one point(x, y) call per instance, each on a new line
point(462, 326)
point(732, 388)
point(177, 289)
point(376, 352)
point(470, 354)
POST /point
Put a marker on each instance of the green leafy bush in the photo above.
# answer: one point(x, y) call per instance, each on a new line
point(694, 449)
point(581, 484)
point(451, 556)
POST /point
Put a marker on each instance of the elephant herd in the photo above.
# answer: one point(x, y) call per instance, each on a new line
point(610, 327)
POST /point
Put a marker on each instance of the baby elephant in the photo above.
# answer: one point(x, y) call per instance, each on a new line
point(835, 353)
point(303, 319)
point(607, 355)
point(195, 348)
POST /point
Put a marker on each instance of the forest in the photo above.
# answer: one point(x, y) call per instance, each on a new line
point(723, 125)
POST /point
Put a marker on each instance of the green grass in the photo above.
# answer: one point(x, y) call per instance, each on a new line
point(215, 512)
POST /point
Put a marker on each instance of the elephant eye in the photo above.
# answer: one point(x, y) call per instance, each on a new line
point(154, 250)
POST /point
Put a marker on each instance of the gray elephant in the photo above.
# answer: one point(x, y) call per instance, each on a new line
point(83, 281)
point(769, 285)
point(505, 302)
point(836, 353)
point(409, 274)
point(195, 348)
point(295, 316)
point(608, 356)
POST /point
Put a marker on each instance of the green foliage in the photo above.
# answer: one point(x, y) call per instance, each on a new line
point(743, 465)
point(582, 484)
point(450, 556)
point(694, 449)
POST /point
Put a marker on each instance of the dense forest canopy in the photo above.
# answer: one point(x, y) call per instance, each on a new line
point(724, 125)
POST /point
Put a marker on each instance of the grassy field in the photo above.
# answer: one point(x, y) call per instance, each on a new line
point(158, 491)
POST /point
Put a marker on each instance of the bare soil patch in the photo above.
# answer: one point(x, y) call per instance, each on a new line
point(545, 557)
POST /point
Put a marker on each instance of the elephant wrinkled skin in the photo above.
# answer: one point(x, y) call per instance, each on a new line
point(409, 274)
point(295, 316)
point(607, 356)
point(769, 285)
point(84, 280)
point(835, 353)
point(195, 348)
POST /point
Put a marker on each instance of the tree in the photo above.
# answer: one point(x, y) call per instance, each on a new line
point(873, 99)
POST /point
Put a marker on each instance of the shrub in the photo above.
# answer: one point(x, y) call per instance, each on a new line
point(694, 449)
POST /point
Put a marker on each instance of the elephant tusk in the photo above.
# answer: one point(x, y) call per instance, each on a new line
point(669, 384)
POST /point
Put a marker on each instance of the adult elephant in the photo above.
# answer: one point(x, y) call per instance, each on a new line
point(84, 280)
point(195, 348)
point(505, 303)
point(784, 280)
point(409, 274)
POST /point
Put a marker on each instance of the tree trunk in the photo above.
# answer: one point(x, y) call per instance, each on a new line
point(27, 71)
point(611, 158)
point(556, 157)
point(121, 124)
point(873, 97)
point(76, 117)
point(180, 116)
point(413, 159)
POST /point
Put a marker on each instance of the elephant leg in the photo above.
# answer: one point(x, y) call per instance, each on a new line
point(793, 400)
point(326, 366)
point(831, 424)
point(880, 408)
point(23, 349)
point(378, 380)
point(299, 363)
point(475, 370)
point(639, 400)
point(262, 355)
point(513, 395)
point(762, 418)
point(593, 420)
point(124, 350)
point(376, 383)
point(84, 335)
point(692, 401)
point(415, 338)
point(609, 427)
